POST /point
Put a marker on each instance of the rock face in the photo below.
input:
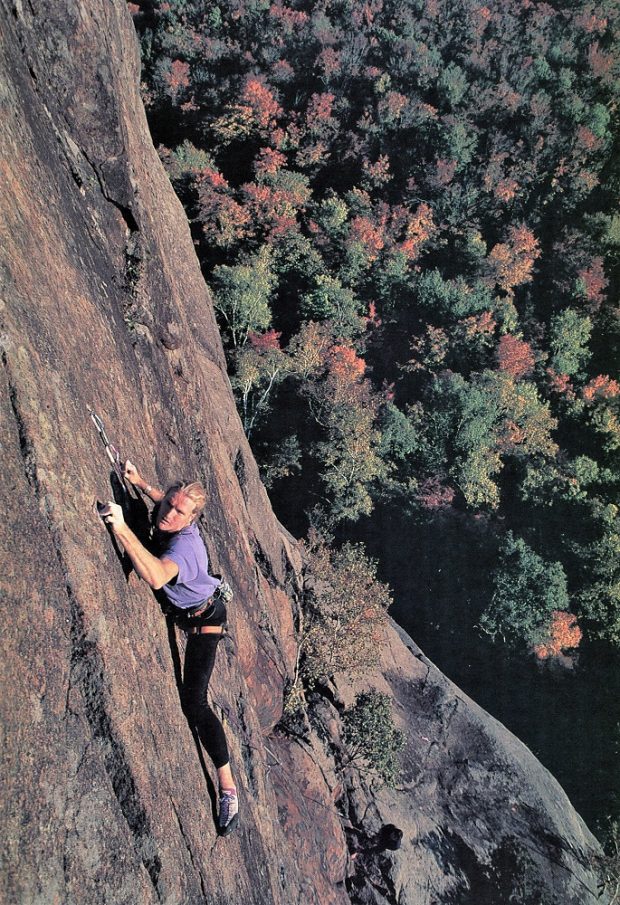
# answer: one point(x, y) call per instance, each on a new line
point(106, 797)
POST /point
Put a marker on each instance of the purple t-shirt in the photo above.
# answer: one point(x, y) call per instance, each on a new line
point(193, 584)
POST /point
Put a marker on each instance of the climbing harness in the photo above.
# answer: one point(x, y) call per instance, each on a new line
point(111, 451)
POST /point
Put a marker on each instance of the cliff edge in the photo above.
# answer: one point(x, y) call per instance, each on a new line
point(107, 798)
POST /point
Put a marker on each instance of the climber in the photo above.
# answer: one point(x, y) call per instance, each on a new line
point(180, 570)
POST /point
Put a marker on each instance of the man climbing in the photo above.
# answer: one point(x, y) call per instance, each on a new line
point(181, 570)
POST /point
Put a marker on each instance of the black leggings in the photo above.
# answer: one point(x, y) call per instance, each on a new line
point(199, 661)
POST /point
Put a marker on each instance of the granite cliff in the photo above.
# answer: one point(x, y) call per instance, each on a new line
point(106, 797)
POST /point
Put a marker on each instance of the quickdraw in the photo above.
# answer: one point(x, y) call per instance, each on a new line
point(111, 451)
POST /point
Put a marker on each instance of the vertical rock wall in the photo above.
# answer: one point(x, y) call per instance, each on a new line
point(107, 798)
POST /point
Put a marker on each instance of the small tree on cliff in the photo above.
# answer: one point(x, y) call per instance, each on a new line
point(343, 617)
point(370, 736)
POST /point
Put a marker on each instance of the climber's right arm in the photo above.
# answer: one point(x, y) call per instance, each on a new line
point(155, 571)
point(132, 475)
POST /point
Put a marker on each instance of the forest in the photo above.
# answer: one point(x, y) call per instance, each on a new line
point(407, 213)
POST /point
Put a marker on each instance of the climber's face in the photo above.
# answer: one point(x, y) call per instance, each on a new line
point(176, 511)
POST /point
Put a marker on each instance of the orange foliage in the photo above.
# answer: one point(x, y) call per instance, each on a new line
point(601, 387)
point(345, 365)
point(378, 172)
point(563, 634)
point(511, 262)
point(261, 101)
point(419, 229)
point(506, 189)
point(512, 435)
point(368, 235)
point(479, 324)
point(515, 356)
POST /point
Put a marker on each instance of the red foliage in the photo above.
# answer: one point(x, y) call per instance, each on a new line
point(591, 23)
point(268, 161)
point(320, 107)
point(560, 384)
point(378, 172)
point(393, 105)
point(289, 18)
point(223, 219)
point(587, 139)
point(595, 281)
point(433, 494)
point(372, 319)
point(178, 77)
point(329, 61)
point(515, 356)
point(282, 71)
point(601, 63)
point(271, 209)
point(445, 170)
point(601, 387)
point(564, 634)
point(265, 342)
point(261, 101)
point(482, 17)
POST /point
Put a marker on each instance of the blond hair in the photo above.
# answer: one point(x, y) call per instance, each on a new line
point(194, 491)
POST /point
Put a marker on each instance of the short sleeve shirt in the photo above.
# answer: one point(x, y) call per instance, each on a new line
point(193, 584)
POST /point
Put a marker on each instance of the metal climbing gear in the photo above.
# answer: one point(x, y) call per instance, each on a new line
point(111, 451)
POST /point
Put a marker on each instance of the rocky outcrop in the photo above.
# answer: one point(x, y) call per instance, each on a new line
point(106, 796)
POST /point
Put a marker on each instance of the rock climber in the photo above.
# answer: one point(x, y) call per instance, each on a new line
point(180, 569)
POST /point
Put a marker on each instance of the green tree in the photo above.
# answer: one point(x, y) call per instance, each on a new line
point(370, 736)
point(527, 589)
point(242, 293)
point(570, 334)
point(330, 300)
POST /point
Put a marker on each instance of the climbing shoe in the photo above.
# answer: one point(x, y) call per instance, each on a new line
point(228, 816)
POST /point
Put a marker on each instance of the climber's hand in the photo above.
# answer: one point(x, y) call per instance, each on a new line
point(112, 514)
point(131, 473)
